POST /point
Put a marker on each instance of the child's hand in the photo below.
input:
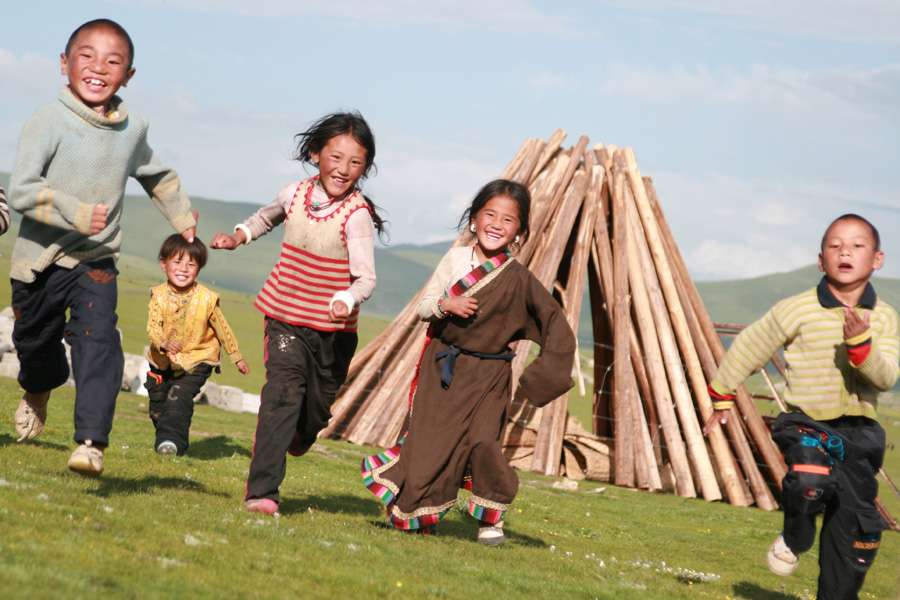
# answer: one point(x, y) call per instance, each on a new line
point(461, 306)
point(242, 366)
point(339, 311)
point(191, 232)
point(719, 417)
point(99, 218)
point(853, 323)
point(173, 347)
point(225, 241)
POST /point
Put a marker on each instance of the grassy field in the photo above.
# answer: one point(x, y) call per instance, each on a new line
point(154, 527)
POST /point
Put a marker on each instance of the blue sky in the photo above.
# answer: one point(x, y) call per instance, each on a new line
point(759, 120)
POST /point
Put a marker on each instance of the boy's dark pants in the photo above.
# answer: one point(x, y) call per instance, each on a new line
point(89, 293)
point(852, 526)
point(304, 369)
point(172, 402)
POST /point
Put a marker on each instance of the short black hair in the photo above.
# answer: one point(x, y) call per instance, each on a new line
point(501, 187)
point(854, 217)
point(175, 245)
point(100, 24)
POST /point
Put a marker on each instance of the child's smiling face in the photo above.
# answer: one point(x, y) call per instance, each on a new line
point(497, 224)
point(848, 255)
point(342, 161)
point(97, 65)
point(181, 270)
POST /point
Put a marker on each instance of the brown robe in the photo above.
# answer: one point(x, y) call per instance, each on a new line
point(459, 427)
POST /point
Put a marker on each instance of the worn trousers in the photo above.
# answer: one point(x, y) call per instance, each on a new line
point(172, 402)
point(89, 293)
point(304, 370)
point(831, 470)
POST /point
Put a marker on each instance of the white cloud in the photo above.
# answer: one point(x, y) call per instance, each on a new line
point(848, 92)
point(867, 21)
point(504, 15)
point(716, 260)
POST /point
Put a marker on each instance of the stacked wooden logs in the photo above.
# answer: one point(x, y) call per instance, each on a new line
point(595, 220)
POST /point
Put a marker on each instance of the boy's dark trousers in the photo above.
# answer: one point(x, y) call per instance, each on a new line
point(89, 292)
point(172, 402)
point(841, 483)
point(304, 370)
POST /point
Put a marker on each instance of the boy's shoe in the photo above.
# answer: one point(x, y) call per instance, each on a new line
point(491, 535)
point(166, 447)
point(297, 447)
point(782, 561)
point(87, 459)
point(265, 506)
point(31, 415)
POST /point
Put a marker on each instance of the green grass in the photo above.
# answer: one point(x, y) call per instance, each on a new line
point(155, 527)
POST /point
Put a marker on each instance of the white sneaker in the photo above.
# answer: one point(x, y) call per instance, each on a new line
point(491, 535)
point(87, 459)
point(31, 415)
point(167, 447)
point(782, 561)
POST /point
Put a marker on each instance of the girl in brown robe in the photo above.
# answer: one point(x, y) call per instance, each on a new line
point(479, 300)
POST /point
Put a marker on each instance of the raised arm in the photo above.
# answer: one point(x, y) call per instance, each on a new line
point(264, 220)
point(163, 186)
point(874, 352)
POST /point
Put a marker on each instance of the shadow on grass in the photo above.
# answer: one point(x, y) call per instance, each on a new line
point(220, 446)
point(340, 504)
point(745, 589)
point(113, 486)
point(468, 531)
point(8, 440)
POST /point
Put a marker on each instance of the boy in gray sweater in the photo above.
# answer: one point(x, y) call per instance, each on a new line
point(74, 158)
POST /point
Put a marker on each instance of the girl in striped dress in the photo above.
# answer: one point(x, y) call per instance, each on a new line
point(311, 299)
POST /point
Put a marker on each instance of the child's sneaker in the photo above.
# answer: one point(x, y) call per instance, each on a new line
point(31, 415)
point(491, 535)
point(87, 459)
point(782, 561)
point(166, 447)
point(262, 505)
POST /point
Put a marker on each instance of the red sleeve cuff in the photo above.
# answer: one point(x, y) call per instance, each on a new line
point(858, 353)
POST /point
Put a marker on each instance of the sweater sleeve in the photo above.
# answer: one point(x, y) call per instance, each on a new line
point(4, 212)
point(30, 192)
point(225, 334)
point(360, 231)
point(270, 216)
point(880, 365)
point(434, 290)
point(751, 349)
point(163, 186)
point(549, 376)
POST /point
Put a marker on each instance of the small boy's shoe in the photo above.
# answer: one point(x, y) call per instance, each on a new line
point(266, 506)
point(491, 535)
point(31, 415)
point(297, 447)
point(782, 561)
point(87, 459)
point(166, 447)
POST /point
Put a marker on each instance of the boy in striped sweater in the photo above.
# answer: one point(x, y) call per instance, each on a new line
point(842, 347)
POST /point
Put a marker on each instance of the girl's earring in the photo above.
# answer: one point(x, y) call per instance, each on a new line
point(516, 241)
point(472, 227)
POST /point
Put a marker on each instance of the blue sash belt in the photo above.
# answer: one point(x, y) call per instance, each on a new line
point(452, 352)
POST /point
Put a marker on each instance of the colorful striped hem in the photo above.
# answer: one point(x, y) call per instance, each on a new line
point(477, 274)
point(373, 466)
point(485, 510)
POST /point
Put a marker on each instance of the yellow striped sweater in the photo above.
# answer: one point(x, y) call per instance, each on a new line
point(821, 380)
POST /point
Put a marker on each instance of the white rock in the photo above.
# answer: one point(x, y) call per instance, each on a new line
point(565, 484)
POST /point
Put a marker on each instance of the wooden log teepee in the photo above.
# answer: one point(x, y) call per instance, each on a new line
point(596, 222)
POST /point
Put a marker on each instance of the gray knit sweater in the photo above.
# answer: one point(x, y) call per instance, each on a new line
point(69, 159)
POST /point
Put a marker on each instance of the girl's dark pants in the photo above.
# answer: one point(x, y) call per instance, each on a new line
point(88, 291)
point(172, 402)
point(852, 526)
point(304, 370)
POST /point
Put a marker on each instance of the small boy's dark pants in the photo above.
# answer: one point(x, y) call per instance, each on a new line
point(172, 402)
point(89, 292)
point(304, 369)
point(852, 526)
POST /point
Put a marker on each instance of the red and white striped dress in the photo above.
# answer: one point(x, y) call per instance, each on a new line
point(313, 265)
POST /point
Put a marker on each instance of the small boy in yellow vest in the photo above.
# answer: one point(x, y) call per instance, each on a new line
point(186, 328)
point(841, 345)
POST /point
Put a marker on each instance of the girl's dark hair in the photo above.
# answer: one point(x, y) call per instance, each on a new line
point(104, 24)
point(501, 187)
point(313, 140)
point(175, 245)
point(876, 237)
